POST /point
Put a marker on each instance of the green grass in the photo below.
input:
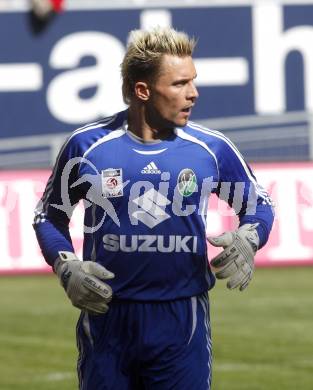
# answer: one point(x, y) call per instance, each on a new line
point(262, 337)
point(37, 335)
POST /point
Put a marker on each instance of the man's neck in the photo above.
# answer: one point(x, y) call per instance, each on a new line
point(140, 126)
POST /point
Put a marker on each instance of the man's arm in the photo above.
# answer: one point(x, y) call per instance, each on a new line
point(239, 188)
point(53, 212)
point(82, 280)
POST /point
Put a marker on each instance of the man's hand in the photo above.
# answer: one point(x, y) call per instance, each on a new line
point(236, 262)
point(82, 281)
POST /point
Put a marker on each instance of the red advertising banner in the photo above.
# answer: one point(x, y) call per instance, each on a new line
point(291, 240)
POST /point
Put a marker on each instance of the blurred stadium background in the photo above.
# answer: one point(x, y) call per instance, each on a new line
point(59, 68)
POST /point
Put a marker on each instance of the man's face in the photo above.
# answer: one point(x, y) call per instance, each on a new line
point(173, 93)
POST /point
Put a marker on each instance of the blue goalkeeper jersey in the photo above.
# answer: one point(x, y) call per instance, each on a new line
point(146, 205)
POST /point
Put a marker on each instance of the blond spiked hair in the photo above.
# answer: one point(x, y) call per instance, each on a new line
point(144, 53)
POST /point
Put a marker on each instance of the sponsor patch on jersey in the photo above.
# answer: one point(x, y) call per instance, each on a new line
point(112, 182)
point(187, 182)
point(150, 243)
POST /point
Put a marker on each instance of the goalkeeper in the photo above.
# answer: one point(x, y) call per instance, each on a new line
point(145, 175)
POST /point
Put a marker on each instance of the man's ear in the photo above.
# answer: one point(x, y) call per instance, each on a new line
point(142, 90)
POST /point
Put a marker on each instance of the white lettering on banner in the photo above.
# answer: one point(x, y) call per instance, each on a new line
point(77, 229)
point(64, 89)
point(271, 47)
point(306, 208)
point(4, 227)
point(221, 71)
point(289, 212)
point(210, 71)
point(19, 249)
point(15, 226)
point(290, 240)
point(215, 225)
point(20, 77)
point(153, 18)
point(28, 254)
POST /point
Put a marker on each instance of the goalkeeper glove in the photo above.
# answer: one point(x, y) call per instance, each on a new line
point(82, 281)
point(236, 261)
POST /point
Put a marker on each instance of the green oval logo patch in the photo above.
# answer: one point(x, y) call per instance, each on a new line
point(187, 182)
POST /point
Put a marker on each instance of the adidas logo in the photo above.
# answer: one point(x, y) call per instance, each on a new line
point(151, 168)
